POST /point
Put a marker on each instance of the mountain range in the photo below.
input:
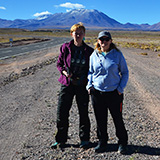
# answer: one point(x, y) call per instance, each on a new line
point(92, 19)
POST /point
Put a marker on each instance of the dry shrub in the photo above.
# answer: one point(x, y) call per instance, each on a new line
point(144, 54)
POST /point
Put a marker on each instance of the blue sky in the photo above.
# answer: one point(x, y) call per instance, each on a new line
point(133, 11)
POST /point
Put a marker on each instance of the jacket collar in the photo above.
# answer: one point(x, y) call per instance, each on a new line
point(72, 43)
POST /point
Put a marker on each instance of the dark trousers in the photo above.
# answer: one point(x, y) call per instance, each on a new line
point(102, 101)
point(66, 96)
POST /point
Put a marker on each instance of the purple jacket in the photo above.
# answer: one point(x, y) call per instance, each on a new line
point(64, 60)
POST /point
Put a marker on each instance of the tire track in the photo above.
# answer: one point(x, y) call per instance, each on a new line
point(145, 78)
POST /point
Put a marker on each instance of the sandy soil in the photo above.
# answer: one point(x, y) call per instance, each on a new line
point(18, 63)
point(28, 110)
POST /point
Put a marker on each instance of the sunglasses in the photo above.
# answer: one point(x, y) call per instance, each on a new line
point(104, 39)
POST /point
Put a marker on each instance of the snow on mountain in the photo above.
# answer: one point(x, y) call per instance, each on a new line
point(90, 18)
point(43, 16)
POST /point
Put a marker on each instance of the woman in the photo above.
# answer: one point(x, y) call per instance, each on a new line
point(107, 78)
point(73, 64)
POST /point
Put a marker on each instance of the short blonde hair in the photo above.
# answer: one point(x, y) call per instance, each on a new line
point(77, 26)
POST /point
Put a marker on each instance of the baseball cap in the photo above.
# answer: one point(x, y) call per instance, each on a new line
point(104, 33)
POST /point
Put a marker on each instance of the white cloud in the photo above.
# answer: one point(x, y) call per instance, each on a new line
point(41, 14)
point(2, 8)
point(71, 5)
point(68, 10)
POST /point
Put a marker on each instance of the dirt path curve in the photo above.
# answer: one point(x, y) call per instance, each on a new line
point(28, 112)
point(145, 77)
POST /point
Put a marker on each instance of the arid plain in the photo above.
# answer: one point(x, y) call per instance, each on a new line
point(28, 103)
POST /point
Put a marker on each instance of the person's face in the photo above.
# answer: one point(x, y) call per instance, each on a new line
point(104, 43)
point(78, 35)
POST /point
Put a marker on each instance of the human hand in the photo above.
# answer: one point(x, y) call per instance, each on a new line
point(66, 74)
point(91, 90)
point(119, 92)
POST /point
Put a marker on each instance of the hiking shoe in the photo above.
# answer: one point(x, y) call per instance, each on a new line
point(58, 145)
point(122, 149)
point(84, 144)
point(101, 147)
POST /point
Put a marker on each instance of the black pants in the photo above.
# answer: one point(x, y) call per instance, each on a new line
point(102, 101)
point(64, 105)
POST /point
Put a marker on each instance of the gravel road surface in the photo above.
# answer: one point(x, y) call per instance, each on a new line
point(23, 49)
point(28, 111)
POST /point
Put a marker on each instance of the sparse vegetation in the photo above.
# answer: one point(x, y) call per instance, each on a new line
point(144, 53)
point(145, 40)
point(19, 34)
point(132, 39)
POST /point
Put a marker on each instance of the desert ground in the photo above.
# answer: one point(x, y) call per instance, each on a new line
point(28, 103)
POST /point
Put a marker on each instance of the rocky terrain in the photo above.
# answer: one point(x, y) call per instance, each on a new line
point(28, 103)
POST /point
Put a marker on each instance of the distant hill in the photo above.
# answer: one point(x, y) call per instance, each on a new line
point(92, 19)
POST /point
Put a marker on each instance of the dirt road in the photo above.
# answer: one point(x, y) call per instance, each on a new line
point(28, 111)
point(145, 78)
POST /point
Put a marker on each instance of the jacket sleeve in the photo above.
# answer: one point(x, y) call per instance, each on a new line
point(90, 74)
point(124, 74)
point(60, 62)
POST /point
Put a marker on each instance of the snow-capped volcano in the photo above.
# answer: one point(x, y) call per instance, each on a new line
point(90, 18)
